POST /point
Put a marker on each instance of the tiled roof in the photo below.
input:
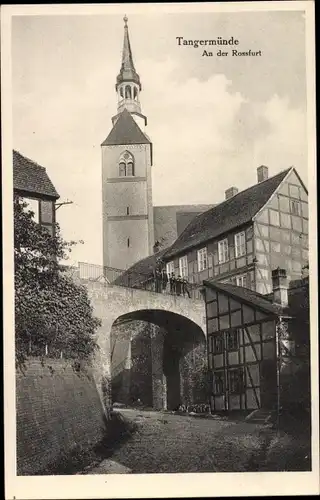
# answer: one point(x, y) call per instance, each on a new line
point(141, 269)
point(247, 296)
point(31, 178)
point(126, 131)
point(226, 216)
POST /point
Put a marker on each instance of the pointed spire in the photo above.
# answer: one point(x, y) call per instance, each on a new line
point(127, 71)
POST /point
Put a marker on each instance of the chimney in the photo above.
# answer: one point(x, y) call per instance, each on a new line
point(262, 173)
point(231, 192)
point(280, 287)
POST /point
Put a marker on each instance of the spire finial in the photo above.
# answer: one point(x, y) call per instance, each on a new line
point(127, 71)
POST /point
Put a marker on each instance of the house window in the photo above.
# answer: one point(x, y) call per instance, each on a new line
point(170, 267)
point(183, 266)
point(241, 280)
point(32, 206)
point(217, 344)
point(46, 212)
point(240, 244)
point(232, 340)
point(294, 191)
point(295, 207)
point(202, 259)
point(218, 382)
point(223, 251)
point(236, 385)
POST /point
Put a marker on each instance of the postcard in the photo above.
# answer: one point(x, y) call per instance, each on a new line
point(160, 250)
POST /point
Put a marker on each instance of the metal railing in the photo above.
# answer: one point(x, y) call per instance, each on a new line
point(142, 281)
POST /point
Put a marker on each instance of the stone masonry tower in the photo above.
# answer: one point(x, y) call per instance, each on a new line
point(128, 233)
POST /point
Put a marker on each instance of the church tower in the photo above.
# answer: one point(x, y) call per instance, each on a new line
point(128, 233)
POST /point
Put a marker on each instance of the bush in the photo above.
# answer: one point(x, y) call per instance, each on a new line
point(52, 312)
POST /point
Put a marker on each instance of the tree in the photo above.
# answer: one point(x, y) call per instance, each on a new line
point(53, 314)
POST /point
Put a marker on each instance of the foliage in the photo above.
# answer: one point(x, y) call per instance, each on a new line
point(50, 308)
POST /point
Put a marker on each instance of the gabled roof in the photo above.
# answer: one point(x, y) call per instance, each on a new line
point(246, 296)
point(226, 216)
point(30, 178)
point(126, 131)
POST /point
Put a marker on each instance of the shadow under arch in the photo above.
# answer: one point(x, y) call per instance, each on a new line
point(163, 359)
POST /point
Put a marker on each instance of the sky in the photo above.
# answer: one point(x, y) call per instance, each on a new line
point(212, 120)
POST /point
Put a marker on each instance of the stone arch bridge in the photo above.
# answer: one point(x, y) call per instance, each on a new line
point(175, 334)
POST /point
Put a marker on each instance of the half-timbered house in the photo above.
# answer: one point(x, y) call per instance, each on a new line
point(242, 239)
point(258, 346)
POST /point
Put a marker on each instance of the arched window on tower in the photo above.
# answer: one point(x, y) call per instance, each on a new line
point(135, 93)
point(121, 92)
point(130, 170)
point(126, 164)
point(128, 92)
point(122, 169)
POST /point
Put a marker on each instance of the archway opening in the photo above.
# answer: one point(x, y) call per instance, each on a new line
point(158, 360)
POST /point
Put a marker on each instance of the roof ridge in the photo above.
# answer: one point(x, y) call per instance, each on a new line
point(218, 283)
point(238, 291)
point(250, 187)
point(185, 205)
point(214, 222)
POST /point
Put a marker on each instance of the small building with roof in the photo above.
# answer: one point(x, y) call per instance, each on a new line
point(32, 183)
point(258, 346)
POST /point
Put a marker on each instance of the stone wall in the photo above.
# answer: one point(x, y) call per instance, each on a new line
point(131, 362)
point(57, 409)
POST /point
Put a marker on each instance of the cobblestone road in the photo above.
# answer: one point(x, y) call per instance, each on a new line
point(175, 443)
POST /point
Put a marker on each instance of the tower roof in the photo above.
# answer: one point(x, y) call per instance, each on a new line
point(127, 71)
point(126, 131)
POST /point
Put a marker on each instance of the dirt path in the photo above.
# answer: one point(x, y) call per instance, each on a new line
point(173, 443)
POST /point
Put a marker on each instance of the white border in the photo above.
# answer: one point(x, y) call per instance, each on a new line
point(150, 485)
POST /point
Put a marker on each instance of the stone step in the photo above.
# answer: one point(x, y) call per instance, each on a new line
point(259, 416)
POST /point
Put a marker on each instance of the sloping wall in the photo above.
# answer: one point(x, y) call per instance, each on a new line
point(56, 410)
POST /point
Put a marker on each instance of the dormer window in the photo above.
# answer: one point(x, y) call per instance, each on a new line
point(126, 165)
